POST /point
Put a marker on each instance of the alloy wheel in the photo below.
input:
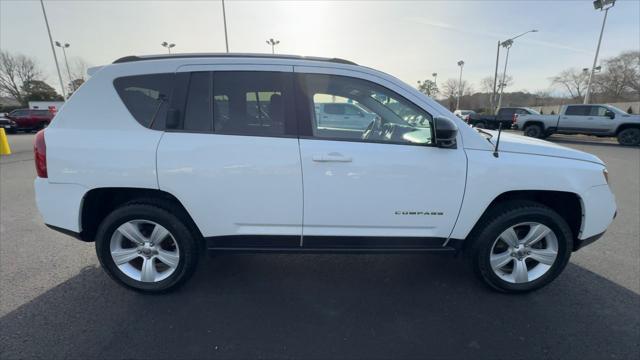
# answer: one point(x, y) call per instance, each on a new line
point(524, 252)
point(144, 251)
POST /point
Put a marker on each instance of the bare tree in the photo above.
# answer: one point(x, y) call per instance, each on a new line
point(621, 75)
point(15, 72)
point(486, 84)
point(79, 69)
point(572, 80)
point(428, 87)
point(450, 89)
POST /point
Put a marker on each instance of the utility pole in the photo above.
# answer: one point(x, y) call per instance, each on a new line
point(507, 44)
point(53, 50)
point(492, 101)
point(598, 5)
point(224, 20)
point(461, 64)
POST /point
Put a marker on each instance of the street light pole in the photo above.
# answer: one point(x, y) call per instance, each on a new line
point(168, 45)
point(492, 101)
point(224, 20)
point(461, 64)
point(599, 5)
point(273, 43)
point(53, 50)
point(506, 44)
point(64, 52)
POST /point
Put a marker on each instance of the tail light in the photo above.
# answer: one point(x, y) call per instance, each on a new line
point(40, 154)
point(514, 118)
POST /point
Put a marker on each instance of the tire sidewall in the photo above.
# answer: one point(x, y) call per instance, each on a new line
point(181, 234)
point(536, 133)
point(488, 236)
point(620, 136)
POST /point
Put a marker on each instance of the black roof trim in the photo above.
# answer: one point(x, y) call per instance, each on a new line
point(133, 58)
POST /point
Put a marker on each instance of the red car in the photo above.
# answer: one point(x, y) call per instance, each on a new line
point(30, 120)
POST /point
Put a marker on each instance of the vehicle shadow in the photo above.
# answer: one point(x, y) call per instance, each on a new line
point(327, 306)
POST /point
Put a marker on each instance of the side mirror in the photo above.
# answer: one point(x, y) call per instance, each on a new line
point(173, 119)
point(610, 114)
point(446, 132)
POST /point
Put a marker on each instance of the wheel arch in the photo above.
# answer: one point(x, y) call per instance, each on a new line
point(626, 126)
point(99, 202)
point(567, 204)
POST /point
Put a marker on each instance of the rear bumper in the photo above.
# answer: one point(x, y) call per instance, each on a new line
point(59, 204)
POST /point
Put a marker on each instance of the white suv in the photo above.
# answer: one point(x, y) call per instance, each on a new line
point(159, 158)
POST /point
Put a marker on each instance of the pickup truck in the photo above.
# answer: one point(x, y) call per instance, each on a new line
point(505, 116)
point(597, 120)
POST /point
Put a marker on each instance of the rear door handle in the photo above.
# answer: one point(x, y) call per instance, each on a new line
point(331, 157)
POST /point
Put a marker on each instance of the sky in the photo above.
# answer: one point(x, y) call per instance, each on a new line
point(407, 39)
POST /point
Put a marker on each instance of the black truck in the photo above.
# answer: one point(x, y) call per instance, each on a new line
point(506, 116)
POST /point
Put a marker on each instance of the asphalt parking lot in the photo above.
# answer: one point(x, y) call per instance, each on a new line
point(56, 302)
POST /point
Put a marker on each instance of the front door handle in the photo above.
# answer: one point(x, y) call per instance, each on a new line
point(331, 157)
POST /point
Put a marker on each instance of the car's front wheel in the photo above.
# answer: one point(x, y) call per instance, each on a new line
point(521, 246)
point(146, 248)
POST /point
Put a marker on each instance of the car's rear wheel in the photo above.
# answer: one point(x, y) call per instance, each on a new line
point(629, 137)
point(533, 131)
point(521, 246)
point(146, 248)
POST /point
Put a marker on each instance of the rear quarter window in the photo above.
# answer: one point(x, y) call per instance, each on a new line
point(147, 97)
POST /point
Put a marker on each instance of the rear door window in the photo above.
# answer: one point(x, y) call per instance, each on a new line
point(578, 110)
point(145, 96)
point(254, 103)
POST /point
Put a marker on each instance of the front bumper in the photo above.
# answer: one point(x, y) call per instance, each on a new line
point(599, 207)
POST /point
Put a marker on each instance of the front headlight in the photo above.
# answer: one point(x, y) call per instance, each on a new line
point(606, 175)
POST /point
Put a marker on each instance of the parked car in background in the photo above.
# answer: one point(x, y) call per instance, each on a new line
point(30, 120)
point(597, 119)
point(343, 115)
point(463, 114)
point(7, 124)
point(506, 117)
point(177, 161)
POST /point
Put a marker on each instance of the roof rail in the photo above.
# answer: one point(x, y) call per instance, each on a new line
point(133, 58)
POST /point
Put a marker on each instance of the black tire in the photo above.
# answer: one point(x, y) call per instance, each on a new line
point(11, 131)
point(185, 238)
point(534, 131)
point(508, 214)
point(629, 137)
point(480, 125)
